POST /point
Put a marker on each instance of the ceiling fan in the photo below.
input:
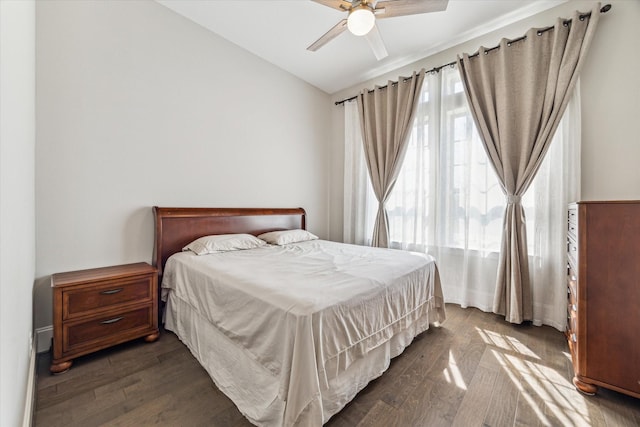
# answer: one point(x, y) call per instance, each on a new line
point(362, 16)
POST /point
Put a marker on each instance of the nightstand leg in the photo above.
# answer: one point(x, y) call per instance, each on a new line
point(152, 337)
point(60, 368)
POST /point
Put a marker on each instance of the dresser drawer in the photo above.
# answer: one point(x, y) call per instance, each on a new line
point(118, 326)
point(572, 314)
point(572, 222)
point(572, 287)
point(572, 309)
point(572, 337)
point(80, 301)
point(572, 251)
point(572, 214)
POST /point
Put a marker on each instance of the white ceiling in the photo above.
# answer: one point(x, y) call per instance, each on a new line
point(279, 31)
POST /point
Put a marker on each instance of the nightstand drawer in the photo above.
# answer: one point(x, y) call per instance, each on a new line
point(81, 301)
point(105, 328)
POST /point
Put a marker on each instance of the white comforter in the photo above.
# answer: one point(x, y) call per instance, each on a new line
point(305, 312)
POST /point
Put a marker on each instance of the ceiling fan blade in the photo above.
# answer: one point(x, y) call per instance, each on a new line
point(377, 45)
point(329, 35)
point(391, 8)
point(341, 5)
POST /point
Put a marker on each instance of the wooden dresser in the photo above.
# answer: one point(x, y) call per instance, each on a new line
point(603, 314)
point(97, 308)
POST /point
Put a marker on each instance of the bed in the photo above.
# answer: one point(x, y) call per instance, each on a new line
point(290, 333)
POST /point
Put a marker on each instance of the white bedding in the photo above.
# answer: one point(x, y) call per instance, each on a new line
point(306, 319)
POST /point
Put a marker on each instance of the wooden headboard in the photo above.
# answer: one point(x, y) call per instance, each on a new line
point(177, 227)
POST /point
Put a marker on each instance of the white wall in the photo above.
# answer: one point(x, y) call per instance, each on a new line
point(610, 92)
point(17, 203)
point(138, 106)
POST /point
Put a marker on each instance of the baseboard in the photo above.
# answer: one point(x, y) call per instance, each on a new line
point(43, 338)
point(30, 395)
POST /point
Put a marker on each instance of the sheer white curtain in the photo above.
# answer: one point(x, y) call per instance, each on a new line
point(448, 202)
point(360, 203)
point(556, 184)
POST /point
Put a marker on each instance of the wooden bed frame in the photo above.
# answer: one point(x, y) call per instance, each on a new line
point(177, 227)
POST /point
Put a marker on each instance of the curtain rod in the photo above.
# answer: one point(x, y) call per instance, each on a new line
point(604, 9)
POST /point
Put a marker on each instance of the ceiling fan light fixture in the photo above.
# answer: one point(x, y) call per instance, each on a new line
point(361, 20)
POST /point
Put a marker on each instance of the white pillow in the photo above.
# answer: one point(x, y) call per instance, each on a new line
point(287, 236)
point(223, 243)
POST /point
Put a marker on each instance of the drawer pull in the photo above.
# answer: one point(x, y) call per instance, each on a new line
point(112, 291)
point(574, 307)
point(573, 338)
point(110, 321)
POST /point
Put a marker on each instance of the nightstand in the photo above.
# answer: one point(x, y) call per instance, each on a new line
point(101, 307)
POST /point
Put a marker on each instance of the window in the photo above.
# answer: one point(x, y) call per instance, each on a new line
point(447, 193)
point(448, 202)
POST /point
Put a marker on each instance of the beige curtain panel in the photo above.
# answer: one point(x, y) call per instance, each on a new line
point(517, 94)
point(386, 117)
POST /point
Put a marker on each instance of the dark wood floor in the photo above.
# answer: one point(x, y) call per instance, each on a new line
point(476, 370)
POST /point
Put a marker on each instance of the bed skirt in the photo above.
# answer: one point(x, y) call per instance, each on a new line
point(255, 390)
